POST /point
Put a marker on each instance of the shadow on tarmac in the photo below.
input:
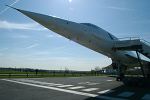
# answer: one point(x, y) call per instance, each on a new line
point(134, 88)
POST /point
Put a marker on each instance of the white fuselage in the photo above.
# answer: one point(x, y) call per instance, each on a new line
point(86, 34)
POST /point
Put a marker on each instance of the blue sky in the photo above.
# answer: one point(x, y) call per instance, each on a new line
point(25, 43)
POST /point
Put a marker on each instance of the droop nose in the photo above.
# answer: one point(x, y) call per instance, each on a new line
point(50, 22)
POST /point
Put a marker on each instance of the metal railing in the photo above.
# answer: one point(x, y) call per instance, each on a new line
point(125, 39)
point(145, 42)
point(129, 38)
point(134, 38)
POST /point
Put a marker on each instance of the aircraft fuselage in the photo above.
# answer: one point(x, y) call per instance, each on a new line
point(86, 34)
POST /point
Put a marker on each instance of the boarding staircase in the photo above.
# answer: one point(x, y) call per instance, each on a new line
point(138, 45)
point(133, 44)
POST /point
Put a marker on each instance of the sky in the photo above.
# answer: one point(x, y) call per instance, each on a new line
point(26, 44)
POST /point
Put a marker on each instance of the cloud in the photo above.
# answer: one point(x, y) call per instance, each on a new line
point(38, 59)
point(24, 26)
point(8, 7)
point(3, 49)
point(117, 8)
point(50, 36)
point(54, 36)
point(42, 52)
point(59, 48)
point(20, 36)
point(14, 2)
point(46, 52)
point(32, 46)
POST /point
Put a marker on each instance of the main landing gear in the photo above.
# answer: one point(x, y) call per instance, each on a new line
point(120, 74)
point(119, 77)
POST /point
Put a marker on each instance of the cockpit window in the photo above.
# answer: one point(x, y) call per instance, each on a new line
point(110, 36)
point(90, 25)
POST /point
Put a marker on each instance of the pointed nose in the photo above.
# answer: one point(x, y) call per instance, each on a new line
point(45, 20)
point(63, 27)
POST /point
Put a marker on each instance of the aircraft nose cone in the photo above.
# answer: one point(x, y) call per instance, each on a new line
point(36, 16)
point(45, 20)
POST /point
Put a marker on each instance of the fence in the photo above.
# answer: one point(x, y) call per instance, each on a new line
point(10, 75)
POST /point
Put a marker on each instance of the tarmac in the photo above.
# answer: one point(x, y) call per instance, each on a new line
point(70, 88)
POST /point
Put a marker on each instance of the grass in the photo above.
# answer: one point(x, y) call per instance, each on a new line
point(15, 74)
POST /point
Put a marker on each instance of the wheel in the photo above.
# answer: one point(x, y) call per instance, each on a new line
point(117, 78)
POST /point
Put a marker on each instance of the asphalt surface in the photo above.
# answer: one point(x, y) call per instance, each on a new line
point(71, 88)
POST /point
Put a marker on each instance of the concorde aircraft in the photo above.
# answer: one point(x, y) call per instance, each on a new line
point(85, 34)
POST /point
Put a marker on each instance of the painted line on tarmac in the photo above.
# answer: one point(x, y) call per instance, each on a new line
point(109, 98)
point(93, 83)
point(146, 97)
point(77, 87)
point(65, 90)
point(126, 94)
point(90, 89)
point(88, 83)
point(106, 91)
point(109, 80)
point(64, 85)
point(38, 82)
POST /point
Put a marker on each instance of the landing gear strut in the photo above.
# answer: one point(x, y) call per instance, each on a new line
point(140, 63)
point(119, 77)
point(120, 74)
